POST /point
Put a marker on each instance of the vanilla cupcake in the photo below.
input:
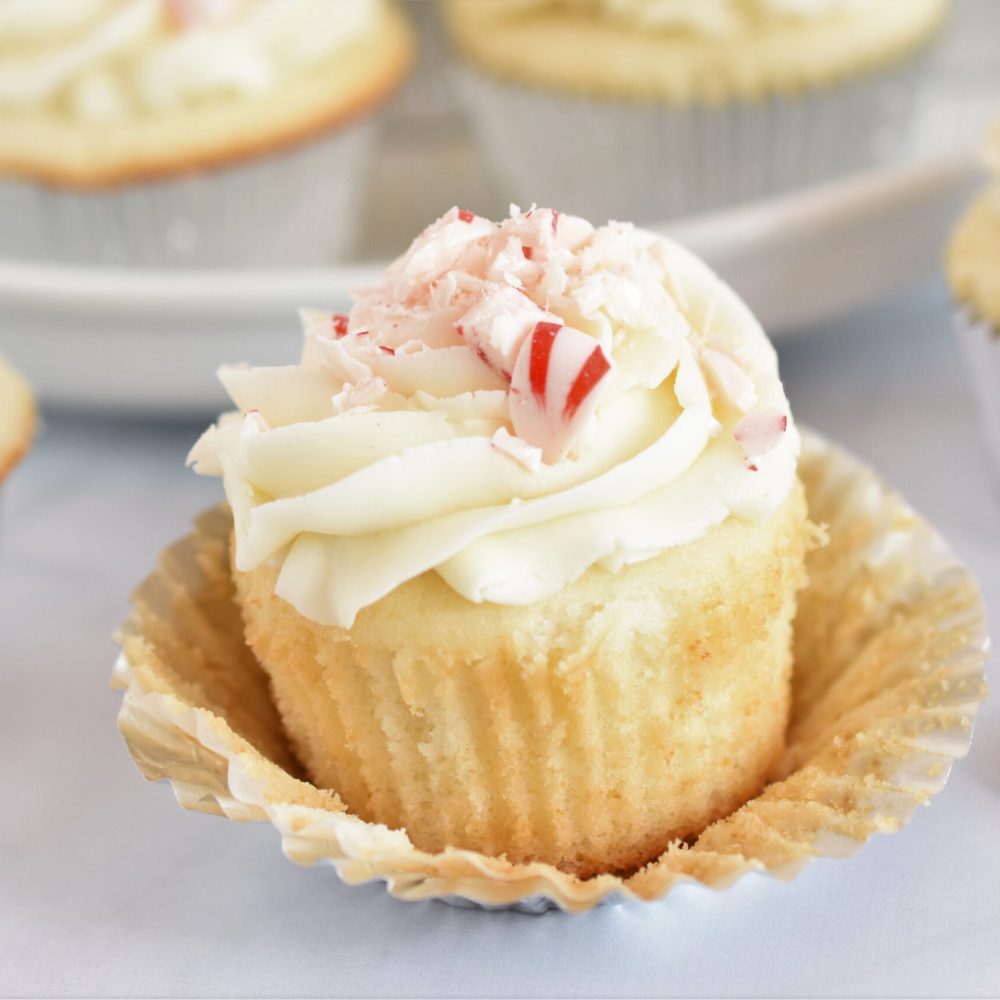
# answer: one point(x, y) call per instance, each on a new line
point(17, 418)
point(518, 542)
point(189, 132)
point(647, 109)
point(974, 275)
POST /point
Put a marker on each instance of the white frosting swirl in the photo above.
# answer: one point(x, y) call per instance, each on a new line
point(110, 59)
point(397, 446)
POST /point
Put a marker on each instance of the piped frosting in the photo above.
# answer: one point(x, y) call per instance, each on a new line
point(108, 60)
point(514, 403)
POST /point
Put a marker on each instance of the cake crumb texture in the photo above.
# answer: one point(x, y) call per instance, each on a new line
point(589, 730)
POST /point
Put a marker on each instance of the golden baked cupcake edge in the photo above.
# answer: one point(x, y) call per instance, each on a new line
point(692, 51)
point(196, 92)
point(17, 418)
point(973, 254)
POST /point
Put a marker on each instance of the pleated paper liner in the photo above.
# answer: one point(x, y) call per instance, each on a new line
point(890, 646)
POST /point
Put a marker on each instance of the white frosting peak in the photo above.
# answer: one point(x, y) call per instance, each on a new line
point(113, 59)
point(514, 403)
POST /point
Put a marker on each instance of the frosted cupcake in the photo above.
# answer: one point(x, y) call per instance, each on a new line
point(518, 542)
point(974, 276)
point(17, 418)
point(650, 108)
point(190, 132)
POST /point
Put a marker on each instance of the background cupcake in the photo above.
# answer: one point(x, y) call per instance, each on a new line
point(189, 132)
point(974, 276)
point(650, 108)
point(17, 418)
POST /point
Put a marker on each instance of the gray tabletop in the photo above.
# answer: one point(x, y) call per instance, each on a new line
point(107, 887)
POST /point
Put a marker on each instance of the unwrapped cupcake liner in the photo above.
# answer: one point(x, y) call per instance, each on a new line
point(890, 646)
point(607, 159)
point(979, 341)
point(293, 207)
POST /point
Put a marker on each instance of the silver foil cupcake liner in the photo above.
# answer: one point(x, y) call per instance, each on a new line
point(607, 159)
point(293, 207)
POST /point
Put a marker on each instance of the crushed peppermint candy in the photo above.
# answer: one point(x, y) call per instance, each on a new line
point(759, 433)
point(557, 383)
point(518, 449)
point(728, 379)
point(545, 309)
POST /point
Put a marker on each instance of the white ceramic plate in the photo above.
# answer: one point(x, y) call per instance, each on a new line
point(150, 341)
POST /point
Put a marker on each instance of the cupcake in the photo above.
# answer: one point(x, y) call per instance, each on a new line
point(518, 542)
point(17, 418)
point(646, 109)
point(973, 263)
point(189, 132)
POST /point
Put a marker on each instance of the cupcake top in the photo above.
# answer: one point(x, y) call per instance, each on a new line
point(118, 67)
point(17, 418)
point(974, 251)
point(682, 50)
point(113, 59)
point(514, 404)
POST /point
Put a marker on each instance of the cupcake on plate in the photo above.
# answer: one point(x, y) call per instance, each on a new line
point(17, 418)
point(189, 132)
point(647, 109)
point(518, 542)
point(973, 263)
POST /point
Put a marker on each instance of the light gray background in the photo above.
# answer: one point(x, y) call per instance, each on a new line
point(107, 887)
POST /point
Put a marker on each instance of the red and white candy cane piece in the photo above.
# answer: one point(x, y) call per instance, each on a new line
point(558, 379)
point(185, 14)
point(759, 432)
point(728, 379)
point(498, 324)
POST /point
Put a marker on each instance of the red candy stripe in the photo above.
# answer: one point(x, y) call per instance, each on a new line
point(594, 369)
point(542, 339)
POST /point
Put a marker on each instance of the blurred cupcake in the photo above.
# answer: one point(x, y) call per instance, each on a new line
point(974, 276)
point(189, 132)
point(17, 418)
point(647, 109)
point(519, 542)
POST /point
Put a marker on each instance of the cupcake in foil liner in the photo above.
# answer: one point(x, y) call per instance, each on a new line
point(604, 159)
point(193, 134)
point(890, 645)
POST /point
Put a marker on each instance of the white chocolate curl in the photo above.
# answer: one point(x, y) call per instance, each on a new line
point(515, 403)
